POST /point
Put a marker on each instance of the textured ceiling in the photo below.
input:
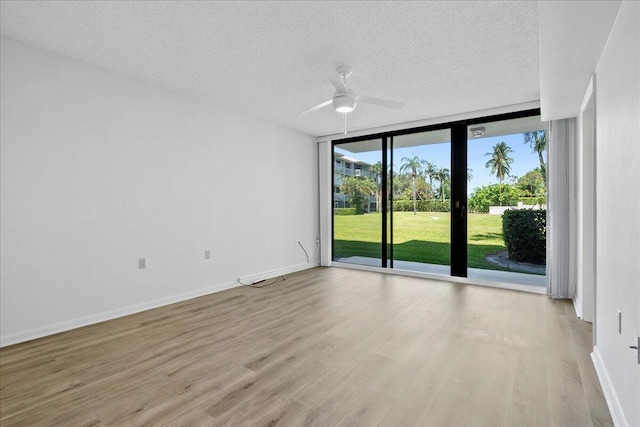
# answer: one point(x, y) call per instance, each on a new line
point(271, 59)
point(572, 37)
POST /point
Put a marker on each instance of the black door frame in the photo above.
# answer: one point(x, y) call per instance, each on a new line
point(458, 129)
point(458, 256)
point(383, 202)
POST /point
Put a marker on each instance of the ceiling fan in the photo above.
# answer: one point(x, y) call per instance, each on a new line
point(344, 100)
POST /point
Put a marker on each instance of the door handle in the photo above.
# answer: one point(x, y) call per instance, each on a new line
point(461, 208)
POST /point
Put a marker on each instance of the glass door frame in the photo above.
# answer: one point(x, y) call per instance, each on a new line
point(458, 210)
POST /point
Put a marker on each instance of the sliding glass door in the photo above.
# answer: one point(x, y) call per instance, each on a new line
point(507, 201)
point(358, 203)
point(421, 201)
point(415, 199)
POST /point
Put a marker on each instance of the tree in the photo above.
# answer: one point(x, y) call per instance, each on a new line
point(401, 183)
point(500, 162)
point(532, 184)
point(430, 170)
point(358, 188)
point(492, 195)
point(538, 141)
point(414, 164)
point(424, 191)
point(443, 176)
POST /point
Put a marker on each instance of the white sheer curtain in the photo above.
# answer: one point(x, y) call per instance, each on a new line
point(562, 134)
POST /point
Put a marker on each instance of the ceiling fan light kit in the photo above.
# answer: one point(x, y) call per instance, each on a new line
point(345, 100)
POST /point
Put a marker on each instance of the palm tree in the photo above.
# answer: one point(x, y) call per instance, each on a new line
point(538, 141)
point(500, 162)
point(430, 170)
point(443, 176)
point(414, 164)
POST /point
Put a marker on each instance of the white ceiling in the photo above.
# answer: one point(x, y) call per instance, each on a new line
point(572, 37)
point(272, 59)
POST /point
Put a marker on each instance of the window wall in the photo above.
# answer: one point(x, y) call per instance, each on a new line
point(433, 199)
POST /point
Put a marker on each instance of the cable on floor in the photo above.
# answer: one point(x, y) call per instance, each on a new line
point(255, 285)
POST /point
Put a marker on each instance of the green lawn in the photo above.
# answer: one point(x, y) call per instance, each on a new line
point(421, 238)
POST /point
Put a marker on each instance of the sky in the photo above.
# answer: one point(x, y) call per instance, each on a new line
point(524, 158)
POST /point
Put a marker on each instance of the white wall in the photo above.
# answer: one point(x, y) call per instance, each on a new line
point(585, 209)
point(98, 170)
point(618, 215)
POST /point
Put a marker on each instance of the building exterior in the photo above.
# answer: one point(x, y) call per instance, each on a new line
point(345, 166)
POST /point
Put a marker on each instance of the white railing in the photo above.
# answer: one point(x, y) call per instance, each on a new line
point(338, 169)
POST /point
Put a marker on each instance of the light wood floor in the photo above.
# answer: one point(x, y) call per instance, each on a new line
point(325, 347)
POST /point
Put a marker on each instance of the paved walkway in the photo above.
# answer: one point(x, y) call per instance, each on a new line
point(472, 273)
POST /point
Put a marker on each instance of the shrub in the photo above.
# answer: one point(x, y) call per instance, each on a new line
point(525, 234)
point(422, 205)
point(344, 211)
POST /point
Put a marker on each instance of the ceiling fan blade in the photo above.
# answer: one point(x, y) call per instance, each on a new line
point(381, 102)
point(316, 107)
point(338, 84)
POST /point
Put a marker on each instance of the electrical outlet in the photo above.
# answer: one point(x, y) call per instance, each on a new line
point(142, 263)
point(317, 240)
point(207, 254)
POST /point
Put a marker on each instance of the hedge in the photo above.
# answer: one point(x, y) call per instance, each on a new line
point(525, 234)
point(344, 211)
point(422, 205)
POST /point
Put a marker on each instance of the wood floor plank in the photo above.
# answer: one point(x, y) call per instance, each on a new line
point(327, 346)
point(527, 416)
point(567, 401)
point(393, 382)
point(413, 405)
point(368, 411)
point(447, 410)
point(330, 409)
point(581, 338)
point(531, 386)
point(290, 413)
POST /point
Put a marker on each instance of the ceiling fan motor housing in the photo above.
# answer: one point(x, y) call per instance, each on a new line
point(344, 102)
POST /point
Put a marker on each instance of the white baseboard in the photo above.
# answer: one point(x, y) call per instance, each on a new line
point(617, 414)
point(108, 315)
point(67, 325)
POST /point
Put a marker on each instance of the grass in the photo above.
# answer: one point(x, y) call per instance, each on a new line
point(421, 238)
